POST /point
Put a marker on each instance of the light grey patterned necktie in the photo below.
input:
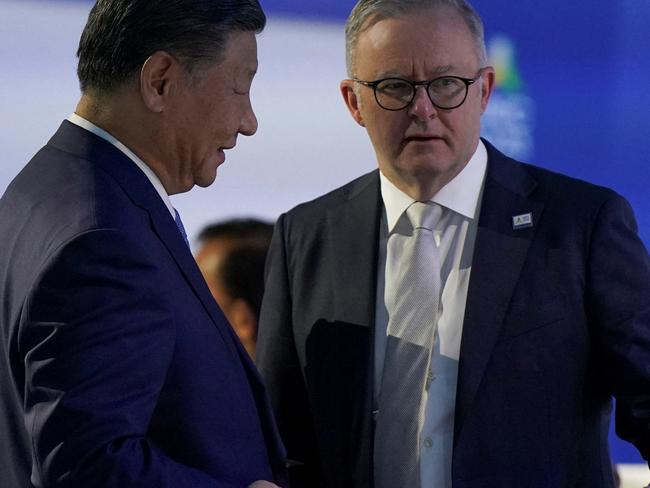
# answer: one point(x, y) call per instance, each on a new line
point(412, 310)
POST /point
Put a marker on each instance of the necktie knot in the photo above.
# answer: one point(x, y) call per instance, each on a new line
point(424, 215)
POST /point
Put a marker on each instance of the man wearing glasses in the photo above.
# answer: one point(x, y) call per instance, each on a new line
point(457, 318)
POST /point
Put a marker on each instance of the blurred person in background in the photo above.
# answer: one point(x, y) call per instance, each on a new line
point(231, 257)
point(117, 367)
point(455, 318)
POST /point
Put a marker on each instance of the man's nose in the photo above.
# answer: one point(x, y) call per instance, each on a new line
point(248, 125)
point(421, 107)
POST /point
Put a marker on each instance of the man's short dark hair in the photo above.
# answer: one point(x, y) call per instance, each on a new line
point(121, 34)
point(242, 270)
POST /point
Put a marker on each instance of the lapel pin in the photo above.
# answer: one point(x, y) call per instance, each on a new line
point(523, 221)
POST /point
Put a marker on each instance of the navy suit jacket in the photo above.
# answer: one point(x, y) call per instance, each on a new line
point(117, 367)
point(557, 322)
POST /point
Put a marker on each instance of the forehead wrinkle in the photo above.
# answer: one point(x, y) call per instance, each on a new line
point(440, 70)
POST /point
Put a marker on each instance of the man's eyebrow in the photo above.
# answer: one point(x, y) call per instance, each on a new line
point(440, 70)
point(390, 74)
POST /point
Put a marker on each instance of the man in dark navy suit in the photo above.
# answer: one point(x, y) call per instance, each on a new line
point(117, 367)
point(456, 318)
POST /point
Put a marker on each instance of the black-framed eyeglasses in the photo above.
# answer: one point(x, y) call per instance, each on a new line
point(445, 92)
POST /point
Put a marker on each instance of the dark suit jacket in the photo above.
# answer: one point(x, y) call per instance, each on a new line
point(117, 367)
point(557, 321)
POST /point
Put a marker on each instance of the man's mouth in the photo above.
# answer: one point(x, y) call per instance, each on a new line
point(422, 138)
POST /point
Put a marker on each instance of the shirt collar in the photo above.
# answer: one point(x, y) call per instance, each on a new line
point(460, 195)
point(151, 176)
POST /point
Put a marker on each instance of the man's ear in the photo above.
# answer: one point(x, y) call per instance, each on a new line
point(352, 101)
point(487, 86)
point(157, 76)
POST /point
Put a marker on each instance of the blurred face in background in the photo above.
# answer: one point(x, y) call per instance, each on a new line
point(243, 319)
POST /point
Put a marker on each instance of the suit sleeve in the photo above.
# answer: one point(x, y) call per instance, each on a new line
point(618, 301)
point(97, 338)
point(279, 364)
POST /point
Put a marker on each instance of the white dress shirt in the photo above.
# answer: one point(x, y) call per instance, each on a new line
point(455, 235)
point(148, 172)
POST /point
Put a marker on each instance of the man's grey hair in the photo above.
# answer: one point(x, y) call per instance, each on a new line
point(367, 13)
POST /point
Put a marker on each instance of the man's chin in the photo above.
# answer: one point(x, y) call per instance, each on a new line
point(426, 164)
point(205, 184)
point(205, 181)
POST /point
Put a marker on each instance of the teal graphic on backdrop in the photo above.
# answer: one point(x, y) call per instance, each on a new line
point(509, 120)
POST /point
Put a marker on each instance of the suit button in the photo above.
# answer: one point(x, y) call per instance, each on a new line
point(428, 443)
point(430, 377)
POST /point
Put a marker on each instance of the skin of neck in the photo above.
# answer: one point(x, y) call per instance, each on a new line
point(123, 115)
point(421, 187)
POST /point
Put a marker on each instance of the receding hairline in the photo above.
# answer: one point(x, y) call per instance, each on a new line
point(352, 39)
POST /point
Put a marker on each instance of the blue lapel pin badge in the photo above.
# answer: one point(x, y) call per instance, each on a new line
point(523, 221)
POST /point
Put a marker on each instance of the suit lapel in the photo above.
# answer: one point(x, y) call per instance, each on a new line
point(170, 236)
point(354, 230)
point(168, 232)
point(500, 252)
